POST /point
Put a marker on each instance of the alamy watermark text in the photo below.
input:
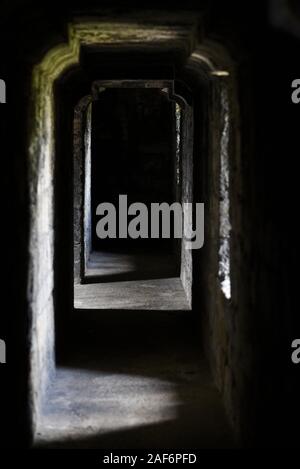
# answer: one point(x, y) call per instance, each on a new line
point(161, 224)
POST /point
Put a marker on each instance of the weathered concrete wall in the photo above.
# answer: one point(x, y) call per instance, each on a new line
point(41, 161)
point(82, 203)
point(41, 275)
point(228, 324)
point(223, 336)
point(219, 304)
point(87, 214)
point(77, 191)
point(2, 351)
point(187, 138)
point(2, 91)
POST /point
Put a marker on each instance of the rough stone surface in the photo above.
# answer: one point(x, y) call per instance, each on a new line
point(153, 294)
point(135, 380)
point(81, 148)
point(187, 197)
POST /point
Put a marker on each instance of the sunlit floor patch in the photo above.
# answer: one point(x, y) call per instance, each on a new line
point(134, 381)
point(86, 402)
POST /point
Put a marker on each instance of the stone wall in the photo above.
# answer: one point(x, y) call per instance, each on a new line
point(187, 138)
point(41, 273)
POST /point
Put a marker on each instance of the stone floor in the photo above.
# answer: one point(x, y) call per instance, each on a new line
point(134, 379)
point(115, 265)
point(143, 281)
point(166, 294)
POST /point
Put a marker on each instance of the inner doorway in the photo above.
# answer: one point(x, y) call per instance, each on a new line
point(132, 147)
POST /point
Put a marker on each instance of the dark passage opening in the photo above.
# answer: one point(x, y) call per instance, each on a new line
point(132, 153)
point(131, 150)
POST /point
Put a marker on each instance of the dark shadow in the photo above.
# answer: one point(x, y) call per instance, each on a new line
point(141, 372)
point(120, 265)
point(171, 435)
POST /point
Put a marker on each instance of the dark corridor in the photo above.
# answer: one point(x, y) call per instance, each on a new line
point(142, 341)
